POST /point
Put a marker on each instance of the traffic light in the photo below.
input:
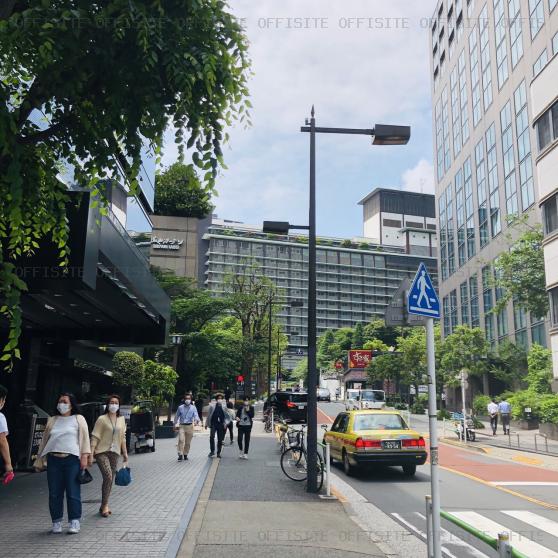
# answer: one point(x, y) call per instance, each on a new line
point(240, 378)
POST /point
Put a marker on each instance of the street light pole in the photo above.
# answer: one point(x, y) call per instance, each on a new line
point(312, 406)
point(269, 349)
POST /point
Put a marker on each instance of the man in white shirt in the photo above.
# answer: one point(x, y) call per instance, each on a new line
point(505, 412)
point(493, 414)
point(4, 446)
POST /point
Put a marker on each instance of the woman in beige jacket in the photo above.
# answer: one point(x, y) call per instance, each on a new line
point(108, 442)
point(64, 450)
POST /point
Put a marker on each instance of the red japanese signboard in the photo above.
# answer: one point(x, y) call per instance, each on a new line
point(359, 358)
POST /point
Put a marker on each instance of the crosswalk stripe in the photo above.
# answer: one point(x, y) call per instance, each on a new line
point(491, 528)
point(540, 522)
point(450, 538)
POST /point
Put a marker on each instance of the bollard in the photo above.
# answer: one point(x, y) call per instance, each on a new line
point(546, 442)
point(536, 448)
point(328, 469)
point(443, 428)
point(517, 434)
point(504, 547)
point(509, 438)
point(272, 421)
point(429, 534)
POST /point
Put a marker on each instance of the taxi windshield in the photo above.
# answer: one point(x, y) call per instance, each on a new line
point(372, 395)
point(379, 422)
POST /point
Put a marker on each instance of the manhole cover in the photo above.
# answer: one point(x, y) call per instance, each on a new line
point(143, 536)
point(93, 501)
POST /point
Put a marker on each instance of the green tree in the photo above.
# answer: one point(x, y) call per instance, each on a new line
point(85, 85)
point(300, 371)
point(509, 364)
point(357, 341)
point(378, 330)
point(179, 192)
point(128, 370)
point(159, 383)
point(539, 373)
point(519, 274)
point(386, 367)
point(327, 350)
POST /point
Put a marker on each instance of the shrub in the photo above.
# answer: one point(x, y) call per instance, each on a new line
point(477, 424)
point(401, 406)
point(444, 414)
point(548, 409)
point(417, 408)
point(480, 402)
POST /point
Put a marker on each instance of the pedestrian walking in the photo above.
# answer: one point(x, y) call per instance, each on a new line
point(66, 449)
point(185, 419)
point(199, 405)
point(108, 443)
point(230, 425)
point(4, 445)
point(244, 423)
point(505, 413)
point(228, 394)
point(492, 408)
point(217, 421)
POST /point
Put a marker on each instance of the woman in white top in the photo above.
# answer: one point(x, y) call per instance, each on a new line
point(108, 442)
point(65, 448)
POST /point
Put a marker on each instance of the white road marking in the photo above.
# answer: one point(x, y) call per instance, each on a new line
point(491, 528)
point(538, 521)
point(450, 538)
point(523, 483)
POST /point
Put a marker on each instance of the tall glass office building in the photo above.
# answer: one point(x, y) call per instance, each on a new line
point(484, 54)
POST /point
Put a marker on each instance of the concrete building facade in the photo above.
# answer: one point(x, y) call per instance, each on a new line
point(484, 55)
point(544, 99)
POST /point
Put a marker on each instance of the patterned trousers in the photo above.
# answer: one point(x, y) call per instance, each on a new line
point(107, 462)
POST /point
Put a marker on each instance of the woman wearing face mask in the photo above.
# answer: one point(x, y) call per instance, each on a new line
point(65, 447)
point(244, 422)
point(184, 420)
point(108, 442)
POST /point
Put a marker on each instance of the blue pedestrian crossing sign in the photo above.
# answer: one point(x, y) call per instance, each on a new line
point(422, 298)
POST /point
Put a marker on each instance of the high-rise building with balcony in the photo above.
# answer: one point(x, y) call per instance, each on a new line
point(484, 55)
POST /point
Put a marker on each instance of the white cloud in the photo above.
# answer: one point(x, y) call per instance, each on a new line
point(419, 179)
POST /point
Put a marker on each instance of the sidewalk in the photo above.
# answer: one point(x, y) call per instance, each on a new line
point(251, 507)
point(149, 517)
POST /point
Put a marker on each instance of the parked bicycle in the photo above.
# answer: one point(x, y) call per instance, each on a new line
point(294, 462)
point(268, 424)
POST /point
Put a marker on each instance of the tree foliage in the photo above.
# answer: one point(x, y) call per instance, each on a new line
point(179, 192)
point(85, 85)
point(519, 274)
point(128, 369)
point(463, 350)
point(509, 364)
point(539, 374)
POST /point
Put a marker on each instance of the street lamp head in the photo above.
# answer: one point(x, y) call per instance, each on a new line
point(276, 227)
point(176, 338)
point(391, 135)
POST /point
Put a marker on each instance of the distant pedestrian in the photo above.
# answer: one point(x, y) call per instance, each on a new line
point(185, 419)
point(199, 405)
point(65, 447)
point(108, 443)
point(493, 414)
point(228, 394)
point(230, 425)
point(244, 423)
point(217, 420)
point(505, 414)
point(4, 445)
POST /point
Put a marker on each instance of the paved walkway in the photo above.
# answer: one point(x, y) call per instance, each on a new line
point(250, 508)
point(148, 519)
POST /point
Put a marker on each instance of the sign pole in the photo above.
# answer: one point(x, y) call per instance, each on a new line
point(433, 426)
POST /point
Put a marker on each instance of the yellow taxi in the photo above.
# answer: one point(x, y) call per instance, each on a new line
point(370, 437)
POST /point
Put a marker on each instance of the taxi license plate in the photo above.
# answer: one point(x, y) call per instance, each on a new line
point(301, 406)
point(391, 444)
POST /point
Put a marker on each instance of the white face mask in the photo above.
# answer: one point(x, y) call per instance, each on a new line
point(113, 407)
point(187, 401)
point(219, 401)
point(63, 408)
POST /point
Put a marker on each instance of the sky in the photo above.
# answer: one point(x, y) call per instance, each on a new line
point(360, 62)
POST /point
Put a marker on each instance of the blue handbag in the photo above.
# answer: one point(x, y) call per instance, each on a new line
point(123, 477)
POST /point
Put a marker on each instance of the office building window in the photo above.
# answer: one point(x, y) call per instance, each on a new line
point(461, 64)
point(485, 58)
point(481, 193)
point(464, 293)
point(536, 16)
point(502, 324)
point(446, 315)
point(460, 214)
point(453, 310)
point(516, 35)
point(488, 304)
point(450, 228)
point(501, 43)
point(553, 294)
point(538, 331)
point(439, 139)
point(509, 159)
point(520, 324)
point(455, 116)
point(547, 127)
point(550, 215)
point(492, 166)
point(445, 127)
point(469, 208)
point(540, 63)
point(443, 236)
point(474, 297)
point(475, 75)
point(524, 147)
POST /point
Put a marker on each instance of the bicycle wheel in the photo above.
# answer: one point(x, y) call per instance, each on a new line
point(267, 426)
point(293, 463)
point(321, 470)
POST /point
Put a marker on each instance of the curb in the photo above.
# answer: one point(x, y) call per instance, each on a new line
point(176, 539)
point(461, 445)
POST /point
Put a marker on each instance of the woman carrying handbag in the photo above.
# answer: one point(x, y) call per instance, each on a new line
point(108, 442)
point(65, 451)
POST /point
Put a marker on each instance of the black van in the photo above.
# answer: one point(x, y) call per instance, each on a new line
point(287, 405)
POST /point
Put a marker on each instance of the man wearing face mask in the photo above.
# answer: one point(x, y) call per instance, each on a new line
point(4, 446)
point(184, 420)
point(217, 420)
point(244, 422)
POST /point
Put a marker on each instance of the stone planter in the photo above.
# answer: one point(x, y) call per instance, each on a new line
point(164, 432)
point(549, 429)
point(524, 424)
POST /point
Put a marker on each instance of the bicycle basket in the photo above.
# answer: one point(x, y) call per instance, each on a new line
point(293, 437)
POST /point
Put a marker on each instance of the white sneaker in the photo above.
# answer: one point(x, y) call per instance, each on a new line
point(245, 456)
point(240, 454)
point(56, 527)
point(74, 527)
